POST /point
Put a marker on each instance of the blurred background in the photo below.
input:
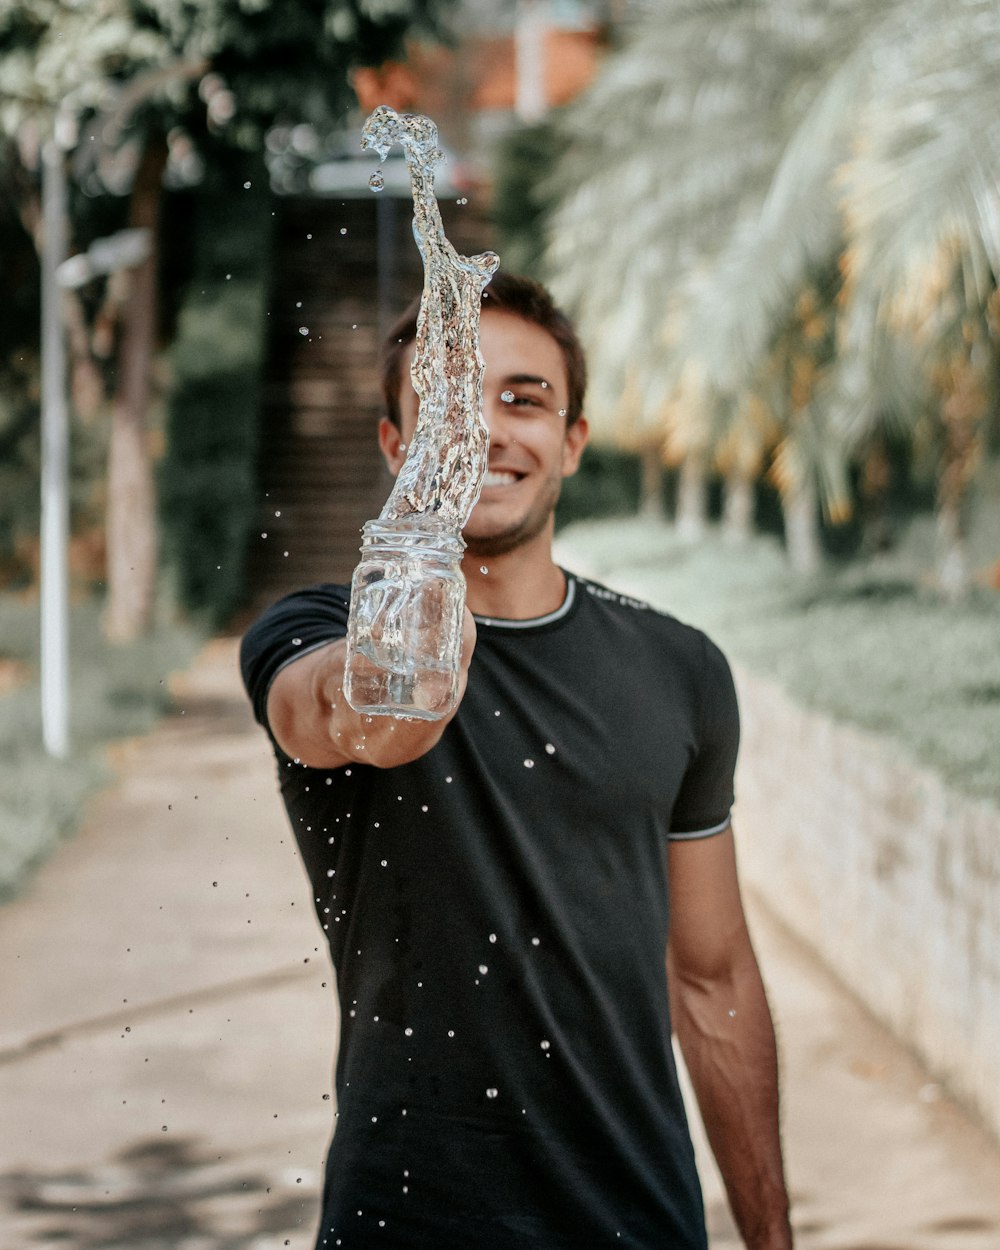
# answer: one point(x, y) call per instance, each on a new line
point(777, 226)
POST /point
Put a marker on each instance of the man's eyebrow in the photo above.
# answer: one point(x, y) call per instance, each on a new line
point(527, 379)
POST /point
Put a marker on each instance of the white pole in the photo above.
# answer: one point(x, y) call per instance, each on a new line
point(530, 98)
point(55, 464)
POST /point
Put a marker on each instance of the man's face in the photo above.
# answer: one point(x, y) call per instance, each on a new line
point(531, 448)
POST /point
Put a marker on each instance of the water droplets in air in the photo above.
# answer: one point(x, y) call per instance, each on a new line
point(377, 180)
point(507, 396)
point(492, 1093)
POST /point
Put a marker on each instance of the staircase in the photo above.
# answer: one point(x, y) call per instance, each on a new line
point(344, 269)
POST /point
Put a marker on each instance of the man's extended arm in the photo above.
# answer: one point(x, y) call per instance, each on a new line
point(723, 1023)
point(314, 723)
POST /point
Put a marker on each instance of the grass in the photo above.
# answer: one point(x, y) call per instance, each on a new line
point(864, 643)
point(115, 692)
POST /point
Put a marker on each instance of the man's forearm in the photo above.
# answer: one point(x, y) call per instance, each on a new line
point(727, 1039)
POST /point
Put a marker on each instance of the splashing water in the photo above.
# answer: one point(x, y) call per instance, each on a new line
point(446, 461)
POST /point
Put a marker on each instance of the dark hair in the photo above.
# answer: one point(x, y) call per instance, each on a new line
point(509, 293)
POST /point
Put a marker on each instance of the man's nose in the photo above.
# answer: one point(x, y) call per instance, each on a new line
point(496, 414)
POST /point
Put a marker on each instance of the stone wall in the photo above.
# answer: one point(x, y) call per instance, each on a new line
point(892, 878)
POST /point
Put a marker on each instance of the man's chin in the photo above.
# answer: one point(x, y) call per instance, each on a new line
point(495, 544)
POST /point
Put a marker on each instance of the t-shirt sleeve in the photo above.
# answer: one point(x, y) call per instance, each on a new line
point(292, 627)
point(706, 796)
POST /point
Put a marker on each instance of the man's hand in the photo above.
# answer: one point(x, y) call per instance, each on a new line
point(315, 725)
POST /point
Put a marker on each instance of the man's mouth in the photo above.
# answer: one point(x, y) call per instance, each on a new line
point(500, 477)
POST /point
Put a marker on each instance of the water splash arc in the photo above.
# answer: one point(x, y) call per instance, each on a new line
point(446, 461)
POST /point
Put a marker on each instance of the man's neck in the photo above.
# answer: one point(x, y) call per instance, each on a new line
point(517, 586)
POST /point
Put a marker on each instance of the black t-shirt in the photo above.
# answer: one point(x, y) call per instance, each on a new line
point(497, 915)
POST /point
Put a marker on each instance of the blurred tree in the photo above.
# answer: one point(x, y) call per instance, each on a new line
point(756, 145)
point(123, 85)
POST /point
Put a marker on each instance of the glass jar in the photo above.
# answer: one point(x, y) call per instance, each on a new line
point(404, 633)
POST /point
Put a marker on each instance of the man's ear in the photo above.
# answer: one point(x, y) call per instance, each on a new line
point(573, 445)
point(390, 441)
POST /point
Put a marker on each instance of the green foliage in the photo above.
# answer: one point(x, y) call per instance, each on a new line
point(207, 480)
point(606, 484)
point(115, 692)
point(522, 197)
point(275, 58)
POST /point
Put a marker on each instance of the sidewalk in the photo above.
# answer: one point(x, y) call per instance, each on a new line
point(167, 1024)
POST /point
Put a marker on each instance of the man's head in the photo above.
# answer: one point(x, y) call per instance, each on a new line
point(533, 384)
point(509, 293)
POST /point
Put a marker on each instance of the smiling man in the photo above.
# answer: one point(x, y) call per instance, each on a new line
point(523, 900)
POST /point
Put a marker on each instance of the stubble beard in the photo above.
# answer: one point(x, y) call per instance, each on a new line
point(522, 531)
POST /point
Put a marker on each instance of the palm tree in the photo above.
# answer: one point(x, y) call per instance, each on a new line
point(866, 134)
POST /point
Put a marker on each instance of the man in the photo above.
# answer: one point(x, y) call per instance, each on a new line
point(497, 889)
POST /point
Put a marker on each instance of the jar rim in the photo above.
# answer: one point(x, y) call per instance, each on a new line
point(419, 528)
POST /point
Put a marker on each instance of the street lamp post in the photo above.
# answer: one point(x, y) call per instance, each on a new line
point(55, 464)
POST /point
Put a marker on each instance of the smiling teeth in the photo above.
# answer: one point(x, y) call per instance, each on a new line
point(495, 478)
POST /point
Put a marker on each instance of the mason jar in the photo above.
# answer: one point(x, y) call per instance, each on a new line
point(404, 632)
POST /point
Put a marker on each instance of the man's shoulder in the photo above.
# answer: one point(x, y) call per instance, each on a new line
point(617, 607)
point(294, 625)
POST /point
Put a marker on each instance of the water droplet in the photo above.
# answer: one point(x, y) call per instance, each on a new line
point(343, 230)
point(507, 396)
point(483, 569)
point(385, 863)
point(408, 1032)
point(563, 412)
point(545, 1043)
point(451, 1032)
point(303, 329)
point(492, 1093)
point(377, 180)
point(529, 763)
point(534, 941)
point(493, 937)
point(246, 187)
point(296, 642)
point(732, 1013)
point(549, 749)
point(483, 970)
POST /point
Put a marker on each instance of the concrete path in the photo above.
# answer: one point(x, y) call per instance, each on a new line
point(167, 1022)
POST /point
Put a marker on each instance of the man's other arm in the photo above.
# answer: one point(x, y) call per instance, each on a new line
point(724, 1027)
point(314, 724)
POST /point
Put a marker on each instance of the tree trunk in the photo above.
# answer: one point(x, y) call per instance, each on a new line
point(800, 508)
point(651, 485)
point(691, 517)
point(131, 524)
point(961, 414)
point(738, 508)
